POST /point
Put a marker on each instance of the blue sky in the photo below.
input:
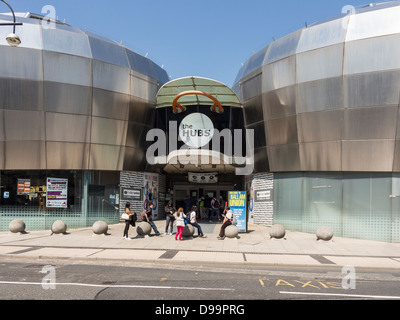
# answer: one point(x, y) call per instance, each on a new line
point(208, 38)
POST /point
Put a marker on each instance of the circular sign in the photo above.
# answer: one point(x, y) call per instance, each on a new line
point(196, 130)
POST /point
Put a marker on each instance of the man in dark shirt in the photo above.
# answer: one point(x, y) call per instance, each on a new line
point(149, 218)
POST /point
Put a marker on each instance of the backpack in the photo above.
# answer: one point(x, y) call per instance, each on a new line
point(143, 215)
point(215, 203)
point(134, 217)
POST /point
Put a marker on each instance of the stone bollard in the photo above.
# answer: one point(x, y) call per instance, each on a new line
point(58, 227)
point(17, 226)
point(231, 232)
point(324, 233)
point(188, 231)
point(143, 229)
point(100, 227)
point(277, 231)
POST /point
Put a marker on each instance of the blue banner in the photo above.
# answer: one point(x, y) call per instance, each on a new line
point(237, 202)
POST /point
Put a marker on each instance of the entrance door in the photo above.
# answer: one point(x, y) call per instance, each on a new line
point(186, 198)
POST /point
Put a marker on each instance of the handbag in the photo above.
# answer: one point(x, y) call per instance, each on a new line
point(125, 216)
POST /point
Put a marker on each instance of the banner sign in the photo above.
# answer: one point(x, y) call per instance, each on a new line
point(237, 203)
point(131, 194)
point(262, 195)
point(203, 177)
point(56, 193)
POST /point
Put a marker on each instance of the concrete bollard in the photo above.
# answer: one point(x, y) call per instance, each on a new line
point(17, 226)
point(324, 233)
point(188, 231)
point(100, 227)
point(277, 231)
point(143, 229)
point(231, 232)
point(58, 227)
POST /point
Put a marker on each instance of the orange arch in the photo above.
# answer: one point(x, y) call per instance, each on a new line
point(176, 105)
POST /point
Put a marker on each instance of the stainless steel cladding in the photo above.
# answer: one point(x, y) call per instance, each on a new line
point(73, 100)
point(327, 97)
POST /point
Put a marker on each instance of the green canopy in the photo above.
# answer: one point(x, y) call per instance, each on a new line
point(220, 91)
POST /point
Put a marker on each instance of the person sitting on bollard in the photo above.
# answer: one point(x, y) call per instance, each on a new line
point(193, 221)
point(227, 222)
point(147, 216)
point(180, 223)
point(169, 217)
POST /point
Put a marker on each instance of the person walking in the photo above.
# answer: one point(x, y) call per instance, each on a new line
point(169, 217)
point(193, 221)
point(214, 209)
point(130, 221)
point(227, 222)
point(180, 223)
point(188, 203)
point(148, 217)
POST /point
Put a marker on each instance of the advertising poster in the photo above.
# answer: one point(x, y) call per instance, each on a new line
point(57, 193)
point(150, 192)
point(237, 203)
point(24, 186)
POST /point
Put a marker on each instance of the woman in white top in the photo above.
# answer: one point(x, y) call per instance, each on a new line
point(193, 221)
point(180, 223)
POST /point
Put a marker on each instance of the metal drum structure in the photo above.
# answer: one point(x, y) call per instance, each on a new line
point(73, 105)
point(324, 104)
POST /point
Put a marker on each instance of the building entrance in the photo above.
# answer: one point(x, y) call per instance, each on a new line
point(188, 195)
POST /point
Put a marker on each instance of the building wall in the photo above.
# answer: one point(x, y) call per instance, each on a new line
point(326, 98)
point(72, 100)
point(73, 105)
point(324, 104)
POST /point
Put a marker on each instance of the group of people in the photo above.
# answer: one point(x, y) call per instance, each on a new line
point(212, 207)
point(147, 215)
point(179, 216)
point(172, 215)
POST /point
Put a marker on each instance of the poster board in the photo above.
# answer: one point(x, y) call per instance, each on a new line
point(237, 202)
point(56, 193)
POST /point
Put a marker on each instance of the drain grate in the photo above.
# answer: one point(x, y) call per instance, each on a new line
point(170, 254)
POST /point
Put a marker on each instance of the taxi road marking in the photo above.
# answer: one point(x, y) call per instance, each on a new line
point(341, 295)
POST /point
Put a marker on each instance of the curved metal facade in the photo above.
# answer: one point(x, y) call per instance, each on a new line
point(328, 95)
point(73, 100)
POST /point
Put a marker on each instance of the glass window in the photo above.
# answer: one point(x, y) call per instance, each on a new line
point(84, 198)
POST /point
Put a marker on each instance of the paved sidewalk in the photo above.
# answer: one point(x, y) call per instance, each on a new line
point(252, 248)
